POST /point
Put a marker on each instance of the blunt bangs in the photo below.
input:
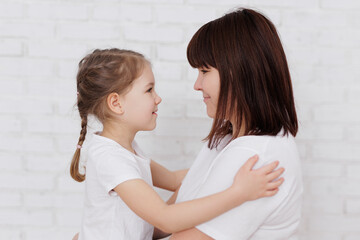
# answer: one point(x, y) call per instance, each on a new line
point(200, 51)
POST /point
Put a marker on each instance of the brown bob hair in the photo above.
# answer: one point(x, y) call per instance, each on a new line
point(255, 82)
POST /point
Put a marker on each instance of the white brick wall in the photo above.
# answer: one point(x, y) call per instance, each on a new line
point(42, 41)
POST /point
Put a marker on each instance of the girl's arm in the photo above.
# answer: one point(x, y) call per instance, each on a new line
point(165, 179)
point(248, 185)
point(158, 234)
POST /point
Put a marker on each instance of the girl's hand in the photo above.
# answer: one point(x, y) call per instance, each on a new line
point(253, 184)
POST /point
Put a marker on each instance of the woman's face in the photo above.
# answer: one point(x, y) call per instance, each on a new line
point(208, 82)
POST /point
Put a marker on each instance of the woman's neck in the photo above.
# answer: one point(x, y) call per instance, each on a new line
point(234, 129)
point(119, 134)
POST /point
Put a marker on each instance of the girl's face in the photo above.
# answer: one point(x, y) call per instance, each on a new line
point(208, 82)
point(140, 103)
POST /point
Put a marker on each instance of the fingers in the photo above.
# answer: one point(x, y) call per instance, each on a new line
point(274, 185)
point(250, 163)
point(275, 174)
point(271, 192)
point(269, 168)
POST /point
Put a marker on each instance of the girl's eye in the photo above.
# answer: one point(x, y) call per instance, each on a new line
point(149, 90)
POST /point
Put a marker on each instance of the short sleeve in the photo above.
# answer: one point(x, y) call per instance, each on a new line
point(115, 167)
point(240, 222)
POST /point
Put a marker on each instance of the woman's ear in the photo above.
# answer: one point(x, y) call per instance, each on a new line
point(114, 103)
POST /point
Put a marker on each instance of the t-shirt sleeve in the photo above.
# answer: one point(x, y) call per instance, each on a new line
point(240, 222)
point(115, 167)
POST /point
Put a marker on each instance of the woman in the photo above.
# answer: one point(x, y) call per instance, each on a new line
point(246, 85)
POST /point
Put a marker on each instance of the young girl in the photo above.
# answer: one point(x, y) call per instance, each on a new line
point(117, 87)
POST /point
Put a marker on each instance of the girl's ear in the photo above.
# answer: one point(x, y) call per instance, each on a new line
point(114, 102)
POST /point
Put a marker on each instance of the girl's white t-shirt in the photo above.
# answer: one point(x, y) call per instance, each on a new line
point(106, 216)
point(270, 218)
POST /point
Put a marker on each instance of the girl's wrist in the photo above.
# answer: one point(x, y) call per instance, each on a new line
point(237, 196)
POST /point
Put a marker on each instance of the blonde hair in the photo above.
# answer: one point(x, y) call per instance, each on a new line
point(100, 73)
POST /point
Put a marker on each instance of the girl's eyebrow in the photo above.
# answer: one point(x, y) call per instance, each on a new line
point(150, 84)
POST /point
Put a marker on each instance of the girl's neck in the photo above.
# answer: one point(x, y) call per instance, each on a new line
point(119, 134)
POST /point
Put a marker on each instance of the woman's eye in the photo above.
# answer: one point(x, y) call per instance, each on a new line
point(204, 71)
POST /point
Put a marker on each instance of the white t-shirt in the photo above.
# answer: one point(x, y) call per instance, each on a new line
point(106, 216)
point(270, 218)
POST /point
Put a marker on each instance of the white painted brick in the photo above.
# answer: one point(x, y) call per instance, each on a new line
point(337, 113)
point(352, 171)
point(352, 206)
point(58, 88)
point(11, 234)
point(324, 204)
point(50, 200)
point(153, 34)
point(67, 143)
point(12, 87)
point(193, 147)
point(334, 56)
point(10, 199)
point(338, 75)
point(39, 144)
point(155, 1)
point(196, 109)
point(310, 131)
point(155, 145)
point(352, 236)
point(67, 107)
point(66, 184)
point(27, 29)
point(333, 223)
point(68, 69)
point(67, 11)
point(25, 67)
point(353, 133)
point(11, 142)
point(294, 37)
point(106, 12)
point(45, 163)
point(10, 161)
point(353, 94)
point(144, 48)
point(334, 151)
point(224, 2)
point(10, 124)
point(285, 3)
point(57, 50)
point(165, 71)
point(313, 18)
point(177, 14)
point(54, 233)
point(171, 90)
point(171, 109)
point(29, 218)
point(315, 235)
point(68, 218)
point(349, 38)
point(96, 31)
point(11, 10)
point(53, 124)
point(323, 169)
point(136, 13)
point(26, 181)
point(346, 4)
point(319, 94)
point(171, 53)
point(183, 127)
point(11, 47)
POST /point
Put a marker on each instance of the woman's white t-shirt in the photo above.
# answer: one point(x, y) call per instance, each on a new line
point(106, 216)
point(270, 218)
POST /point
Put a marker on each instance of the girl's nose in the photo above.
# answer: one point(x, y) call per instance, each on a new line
point(157, 99)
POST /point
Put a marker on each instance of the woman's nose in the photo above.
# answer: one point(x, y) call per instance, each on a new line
point(198, 83)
